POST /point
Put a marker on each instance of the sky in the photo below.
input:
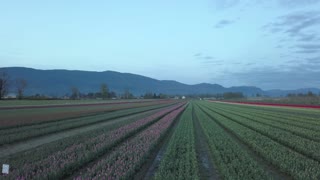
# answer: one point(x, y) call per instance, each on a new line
point(272, 44)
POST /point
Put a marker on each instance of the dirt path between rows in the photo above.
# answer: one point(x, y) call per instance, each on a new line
point(207, 169)
point(38, 141)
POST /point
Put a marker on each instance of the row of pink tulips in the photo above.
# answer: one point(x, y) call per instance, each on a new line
point(129, 156)
point(61, 163)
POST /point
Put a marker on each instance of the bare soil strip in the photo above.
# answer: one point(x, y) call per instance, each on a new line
point(38, 141)
point(207, 169)
point(273, 171)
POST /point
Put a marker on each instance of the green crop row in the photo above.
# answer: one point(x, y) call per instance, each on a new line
point(285, 116)
point(302, 145)
point(275, 123)
point(180, 161)
point(232, 160)
point(310, 115)
point(284, 158)
point(299, 123)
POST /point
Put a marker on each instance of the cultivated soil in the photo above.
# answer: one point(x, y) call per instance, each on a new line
point(10, 149)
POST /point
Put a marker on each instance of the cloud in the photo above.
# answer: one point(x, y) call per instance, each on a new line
point(207, 60)
point(289, 76)
point(224, 4)
point(212, 62)
point(223, 23)
point(307, 48)
point(306, 51)
point(250, 64)
point(297, 25)
point(296, 3)
point(308, 37)
point(215, 62)
point(245, 4)
point(197, 55)
point(204, 57)
point(314, 60)
point(208, 57)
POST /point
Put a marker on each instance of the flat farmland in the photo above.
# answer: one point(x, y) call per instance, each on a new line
point(18, 103)
point(161, 140)
point(31, 113)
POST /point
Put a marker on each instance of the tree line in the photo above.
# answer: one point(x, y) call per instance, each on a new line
point(104, 93)
point(308, 94)
point(19, 85)
point(6, 82)
point(226, 95)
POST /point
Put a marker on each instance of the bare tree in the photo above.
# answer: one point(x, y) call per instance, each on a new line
point(4, 84)
point(21, 85)
point(75, 93)
point(104, 91)
point(127, 94)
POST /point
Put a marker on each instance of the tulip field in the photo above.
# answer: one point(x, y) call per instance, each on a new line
point(159, 139)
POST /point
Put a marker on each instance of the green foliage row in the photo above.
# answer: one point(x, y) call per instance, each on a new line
point(286, 159)
point(304, 116)
point(300, 144)
point(305, 130)
point(231, 159)
point(180, 161)
point(284, 118)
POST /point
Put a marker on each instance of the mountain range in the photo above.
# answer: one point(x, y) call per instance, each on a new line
point(59, 83)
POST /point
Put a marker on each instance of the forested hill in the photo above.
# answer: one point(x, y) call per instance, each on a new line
point(59, 83)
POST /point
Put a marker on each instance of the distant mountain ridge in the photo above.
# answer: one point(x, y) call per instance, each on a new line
point(59, 82)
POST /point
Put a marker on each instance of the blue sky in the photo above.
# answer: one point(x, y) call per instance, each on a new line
point(269, 44)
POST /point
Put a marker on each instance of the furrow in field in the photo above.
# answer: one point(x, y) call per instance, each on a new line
point(232, 160)
point(312, 115)
point(298, 131)
point(302, 145)
point(47, 149)
point(23, 117)
point(23, 133)
point(207, 169)
point(287, 160)
point(296, 122)
point(299, 120)
point(149, 168)
point(180, 161)
point(61, 163)
point(33, 143)
point(124, 160)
